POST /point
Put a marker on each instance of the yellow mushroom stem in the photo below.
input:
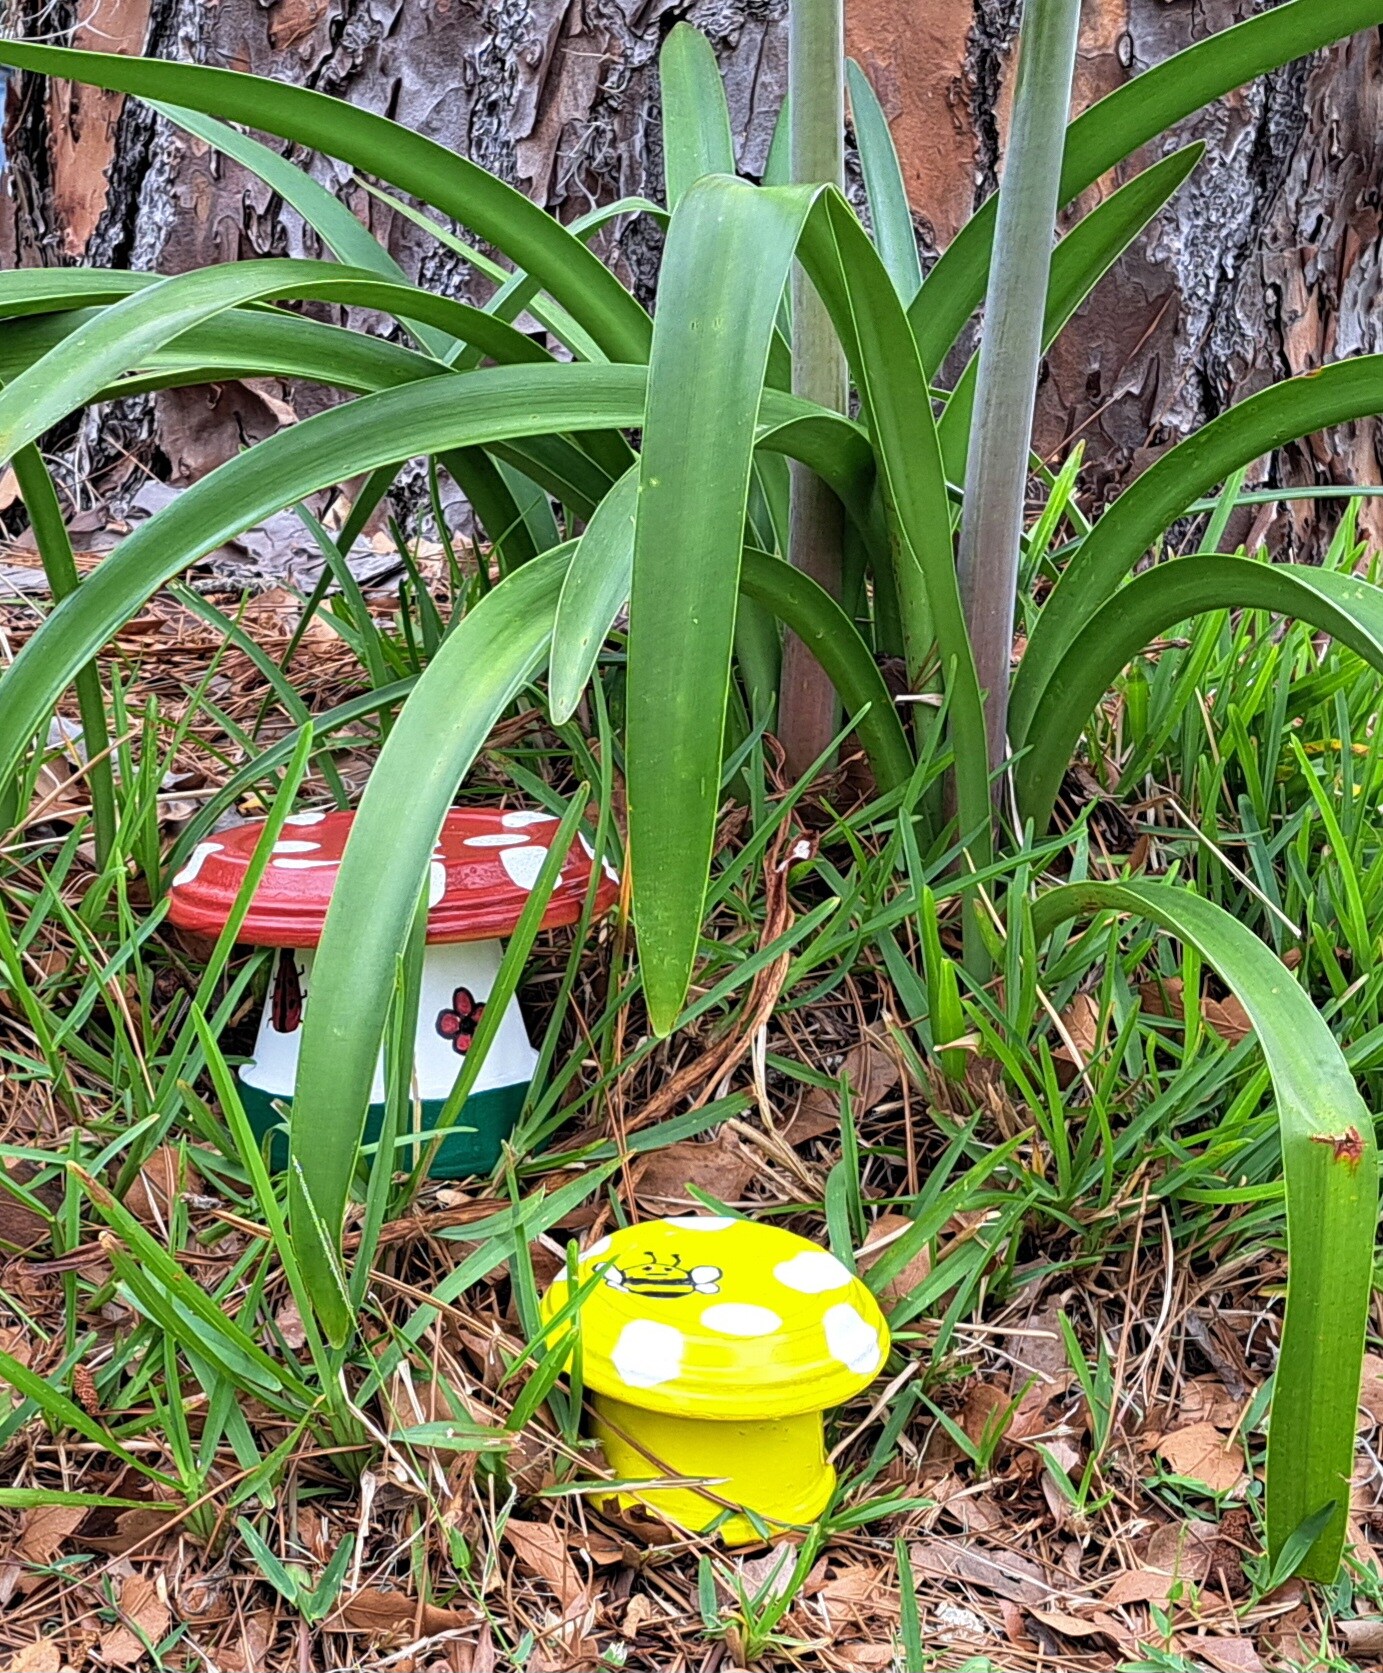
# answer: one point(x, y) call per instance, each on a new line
point(777, 1466)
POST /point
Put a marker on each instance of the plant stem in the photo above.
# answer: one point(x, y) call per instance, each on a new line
point(816, 145)
point(1011, 351)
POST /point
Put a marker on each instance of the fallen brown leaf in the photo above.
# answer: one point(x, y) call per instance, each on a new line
point(1037, 1346)
point(142, 1606)
point(542, 1549)
point(1081, 1022)
point(1206, 1400)
point(882, 1235)
point(872, 1074)
point(1183, 1549)
point(164, 1176)
point(1062, 1453)
point(723, 1167)
point(288, 1321)
point(42, 1656)
point(252, 1654)
point(1362, 1638)
point(1001, 1572)
point(1167, 998)
point(132, 1528)
point(44, 1530)
point(637, 1616)
point(1371, 1389)
point(381, 1614)
point(1226, 1655)
point(21, 1228)
point(1201, 1452)
point(1069, 1626)
point(1099, 1625)
point(1138, 1585)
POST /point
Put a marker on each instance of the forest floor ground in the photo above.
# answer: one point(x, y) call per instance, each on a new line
point(1082, 1498)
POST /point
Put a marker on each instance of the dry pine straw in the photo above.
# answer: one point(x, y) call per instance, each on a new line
point(1002, 1568)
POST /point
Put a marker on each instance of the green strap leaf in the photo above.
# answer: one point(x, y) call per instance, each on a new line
point(492, 406)
point(896, 405)
point(729, 253)
point(1079, 262)
point(488, 657)
point(346, 237)
point(1334, 395)
point(1010, 355)
point(834, 640)
point(594, 592)
point(1118, 124)
point(1330, 1166)
point(238, 343)
point(453, 184)
point(696, 119)
point(119, 338)
point(889, 212)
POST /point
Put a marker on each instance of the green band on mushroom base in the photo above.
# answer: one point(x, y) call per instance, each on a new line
point(472, 1146)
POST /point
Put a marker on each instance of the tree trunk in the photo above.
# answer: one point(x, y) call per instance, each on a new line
point(1266, 264)
point(559, 97)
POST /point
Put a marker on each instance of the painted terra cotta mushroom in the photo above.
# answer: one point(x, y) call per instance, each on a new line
point(482, 870)
point(712, 1348)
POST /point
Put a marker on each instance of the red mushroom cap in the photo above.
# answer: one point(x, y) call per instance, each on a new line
point(483, 867)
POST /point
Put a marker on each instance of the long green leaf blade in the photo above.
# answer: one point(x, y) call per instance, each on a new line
point(1331, 1169)
point(696, 118)
point(483, 408)
point(478, 671)
point(1079, 261)
point(1344, 606)
point(996, 473)
point(118, 339)
point(345, 236)
point(889, 211)
point(1129, 528)
point(728, 257)
point(594, 592)
point(493, 210)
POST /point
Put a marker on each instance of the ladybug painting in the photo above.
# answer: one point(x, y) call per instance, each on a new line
point(286, 1005)
point(664, 1280)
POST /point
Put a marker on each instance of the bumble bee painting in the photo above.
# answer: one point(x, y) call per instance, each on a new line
point(665, 1280)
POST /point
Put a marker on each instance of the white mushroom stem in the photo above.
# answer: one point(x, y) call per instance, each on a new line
point(466, 967)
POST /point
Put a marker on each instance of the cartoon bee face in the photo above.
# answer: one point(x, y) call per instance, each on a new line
point(664, 1280)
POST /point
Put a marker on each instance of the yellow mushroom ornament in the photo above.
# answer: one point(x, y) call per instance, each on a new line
point(712, 1347)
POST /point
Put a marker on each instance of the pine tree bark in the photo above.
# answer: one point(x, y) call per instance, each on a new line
point(1266, 264)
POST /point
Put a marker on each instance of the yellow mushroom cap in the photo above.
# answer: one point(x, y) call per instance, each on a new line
point(725, 1319)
